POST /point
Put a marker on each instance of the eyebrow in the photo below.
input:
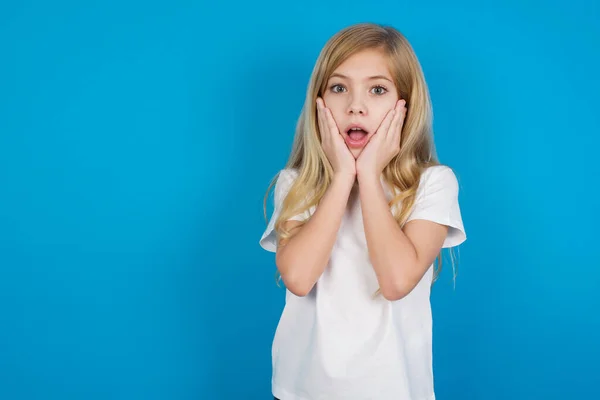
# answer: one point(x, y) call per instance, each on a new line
point(336, 75)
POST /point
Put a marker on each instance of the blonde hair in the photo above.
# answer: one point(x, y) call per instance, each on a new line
point(417, 149)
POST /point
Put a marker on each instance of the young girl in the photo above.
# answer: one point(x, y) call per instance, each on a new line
point(361, 211)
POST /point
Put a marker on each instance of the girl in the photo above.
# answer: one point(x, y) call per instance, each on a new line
point(361, 211)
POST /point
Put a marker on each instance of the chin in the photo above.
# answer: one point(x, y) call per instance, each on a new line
point(356, 152)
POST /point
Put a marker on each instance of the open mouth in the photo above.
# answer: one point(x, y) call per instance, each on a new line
point(356, 136)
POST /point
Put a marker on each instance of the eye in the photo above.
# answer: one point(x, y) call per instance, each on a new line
point(337, 88)
point(379, 90)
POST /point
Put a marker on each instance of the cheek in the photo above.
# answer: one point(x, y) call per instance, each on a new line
point(383, 110)
point(332, 102)
point(381, 116)
point(335, 106)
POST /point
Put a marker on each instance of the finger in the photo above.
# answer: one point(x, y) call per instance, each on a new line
point(397, 128)
point(321, 120)
point(397, 114)
point(333, 129)
point(388, 127)
point(329, 135)
point(386, 123)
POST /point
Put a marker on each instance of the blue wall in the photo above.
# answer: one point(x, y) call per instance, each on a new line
point(137, 140)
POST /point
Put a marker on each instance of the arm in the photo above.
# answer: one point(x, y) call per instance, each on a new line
point(400, 257)
point(302, 260)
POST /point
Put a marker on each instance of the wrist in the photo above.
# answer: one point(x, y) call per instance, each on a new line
point(344, 179)
point(368, 176)
point(369, 185)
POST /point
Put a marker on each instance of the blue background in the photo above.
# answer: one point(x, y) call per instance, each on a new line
point(137, 140)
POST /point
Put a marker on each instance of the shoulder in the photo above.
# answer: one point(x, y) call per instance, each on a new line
point(438, 181)
point(438, 175)
point(438, 171)
point(284, 180)
point(286, 176)
point(288, 173)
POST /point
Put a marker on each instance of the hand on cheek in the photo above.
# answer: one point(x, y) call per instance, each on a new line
point(384, 144)
point(338, 154)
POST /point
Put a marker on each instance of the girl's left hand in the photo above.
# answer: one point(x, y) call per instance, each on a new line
point(384, 144)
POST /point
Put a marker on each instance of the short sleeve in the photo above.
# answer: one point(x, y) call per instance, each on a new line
point(437, 201)
point(286, 178)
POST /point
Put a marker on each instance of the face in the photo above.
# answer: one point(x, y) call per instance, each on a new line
point(359, 94)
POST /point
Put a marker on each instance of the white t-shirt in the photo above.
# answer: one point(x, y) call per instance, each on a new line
point(340, 343)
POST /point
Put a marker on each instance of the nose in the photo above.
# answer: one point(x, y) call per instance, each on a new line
point(356, 106)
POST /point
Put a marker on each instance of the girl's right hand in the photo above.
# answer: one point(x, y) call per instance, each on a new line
point(334, 146)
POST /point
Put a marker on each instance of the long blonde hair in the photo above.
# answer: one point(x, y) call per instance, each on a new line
point(417, 149)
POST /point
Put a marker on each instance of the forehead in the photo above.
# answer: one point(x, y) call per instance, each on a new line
point(364, 64)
